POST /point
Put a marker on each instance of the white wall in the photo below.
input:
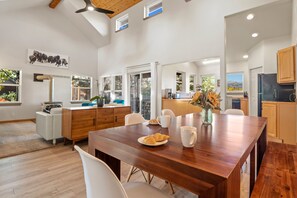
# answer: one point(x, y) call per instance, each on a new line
point(183, 32)
point(46, 30)
point(271, 46)
point(294, 22)
point(169, 75)
point(264, 53)
point(241, 66)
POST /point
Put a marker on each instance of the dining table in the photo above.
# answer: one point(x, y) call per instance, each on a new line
point(212, 168)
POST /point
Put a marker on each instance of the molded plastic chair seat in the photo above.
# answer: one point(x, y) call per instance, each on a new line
point(139, 189)
point(102, 182)
point(168, 112)
point(234, 112)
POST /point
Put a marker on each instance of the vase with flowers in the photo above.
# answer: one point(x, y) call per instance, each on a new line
point(206, 98)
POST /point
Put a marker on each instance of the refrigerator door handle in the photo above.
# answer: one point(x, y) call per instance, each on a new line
point(274, 94)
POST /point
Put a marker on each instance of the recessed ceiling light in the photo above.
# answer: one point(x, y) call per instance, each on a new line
point(250, 16)
point(90, 8)
point(245, 56)
point(254, 35)
point(209, 61)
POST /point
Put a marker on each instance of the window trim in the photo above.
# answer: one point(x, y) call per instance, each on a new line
point(148, 6)
point(19, 102)
point(91, 89)
point(119, 20)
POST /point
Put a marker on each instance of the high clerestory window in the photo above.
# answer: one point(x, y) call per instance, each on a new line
point(153, 9)
point(122, 23)
point(10, 86)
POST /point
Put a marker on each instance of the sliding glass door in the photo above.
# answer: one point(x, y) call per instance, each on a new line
point(140, 93)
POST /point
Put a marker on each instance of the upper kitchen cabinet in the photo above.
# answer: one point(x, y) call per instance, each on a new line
point(286, 65)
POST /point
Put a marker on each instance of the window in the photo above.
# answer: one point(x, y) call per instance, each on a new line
point(235, 82)
point(10, 85)
point(208, 82)
point(180, 85)
point(153, 9)
point(122, 23)
point(192, 82)
point(112, 88)
point(81, 88)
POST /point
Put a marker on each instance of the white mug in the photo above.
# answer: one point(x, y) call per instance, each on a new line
point(164, 121)
point(188, 136)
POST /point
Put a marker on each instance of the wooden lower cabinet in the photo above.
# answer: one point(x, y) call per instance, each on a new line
point(78, 121)
point(244, 105)
point(281, 120)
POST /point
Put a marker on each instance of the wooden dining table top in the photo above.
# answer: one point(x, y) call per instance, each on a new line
point(220, 148)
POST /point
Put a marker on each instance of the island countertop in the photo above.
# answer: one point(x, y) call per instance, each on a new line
point(92, 107)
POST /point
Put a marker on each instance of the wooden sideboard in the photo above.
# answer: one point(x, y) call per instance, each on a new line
point(78, 121)
point(244, 105)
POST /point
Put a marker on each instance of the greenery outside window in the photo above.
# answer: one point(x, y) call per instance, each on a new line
point(209, 82)
point(192, 83)
point(10, 85)
point(81, 88)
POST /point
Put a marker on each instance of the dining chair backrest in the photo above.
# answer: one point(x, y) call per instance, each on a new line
point(99, 178)
point(168, 112)
point(134, 118)
point(234, 112)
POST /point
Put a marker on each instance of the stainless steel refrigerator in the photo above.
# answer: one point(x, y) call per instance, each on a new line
point(270, 90)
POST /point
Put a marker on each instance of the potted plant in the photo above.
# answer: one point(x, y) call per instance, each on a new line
point(99, 99)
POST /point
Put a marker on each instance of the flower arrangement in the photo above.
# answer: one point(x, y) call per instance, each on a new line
point(206, 98)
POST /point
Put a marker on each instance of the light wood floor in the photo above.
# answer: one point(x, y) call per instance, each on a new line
point(57, 172)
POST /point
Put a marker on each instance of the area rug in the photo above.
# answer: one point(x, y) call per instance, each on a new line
point(20, 137)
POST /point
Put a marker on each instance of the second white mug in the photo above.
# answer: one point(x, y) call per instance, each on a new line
point(188, 136)
point(164, 121)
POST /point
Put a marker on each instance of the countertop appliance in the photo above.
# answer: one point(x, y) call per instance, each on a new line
point(270, 90)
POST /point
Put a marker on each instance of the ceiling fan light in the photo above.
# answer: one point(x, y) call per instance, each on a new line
point(90, 8)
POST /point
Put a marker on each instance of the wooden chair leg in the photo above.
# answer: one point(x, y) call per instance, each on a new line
point(134, 170)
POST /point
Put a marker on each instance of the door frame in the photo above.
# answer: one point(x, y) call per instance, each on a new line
point(250, 87)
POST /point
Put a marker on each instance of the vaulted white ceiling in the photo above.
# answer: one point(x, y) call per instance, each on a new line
point(270, 21)
point(94, 25)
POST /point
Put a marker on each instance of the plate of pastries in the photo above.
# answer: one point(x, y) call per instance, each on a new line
point(156, 139)
point(153, 122)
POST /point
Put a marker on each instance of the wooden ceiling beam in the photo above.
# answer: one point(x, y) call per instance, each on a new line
point(54, 3)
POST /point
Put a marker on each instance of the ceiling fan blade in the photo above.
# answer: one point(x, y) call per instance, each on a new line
point(81, 10)
point(104, 11)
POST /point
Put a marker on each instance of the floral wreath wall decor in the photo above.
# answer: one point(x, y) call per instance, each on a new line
point(37, 57)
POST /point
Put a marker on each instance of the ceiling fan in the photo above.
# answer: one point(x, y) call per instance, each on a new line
point(91, 7)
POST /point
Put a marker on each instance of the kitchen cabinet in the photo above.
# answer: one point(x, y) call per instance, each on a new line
point(286, 65)
point(281, 120)
point(244, 105)
point(78, 121)
point(269, 110)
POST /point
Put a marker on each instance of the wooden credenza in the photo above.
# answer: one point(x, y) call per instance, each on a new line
point(78, 121)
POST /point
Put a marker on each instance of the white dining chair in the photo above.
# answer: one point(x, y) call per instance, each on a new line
point(102, 182)
point(168, 112)
point(130, 119)
point(234, 112)
point(137, 118)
